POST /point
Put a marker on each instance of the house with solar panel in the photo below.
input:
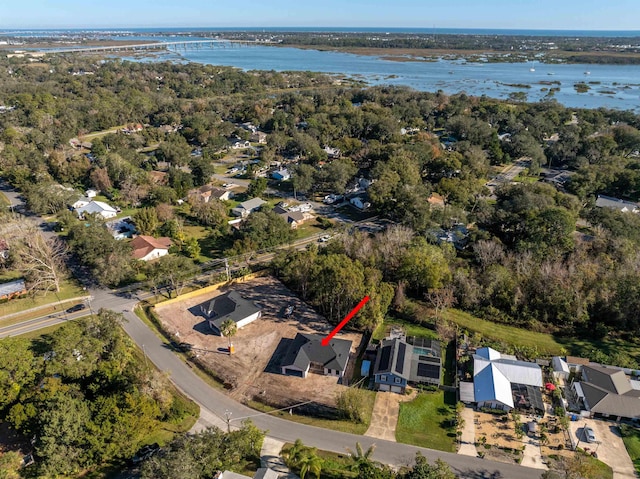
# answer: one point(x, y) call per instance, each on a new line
point(400, 363)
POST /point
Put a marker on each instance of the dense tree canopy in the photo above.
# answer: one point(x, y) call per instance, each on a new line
point(82, 393)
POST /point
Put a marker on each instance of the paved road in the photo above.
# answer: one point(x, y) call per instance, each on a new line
point(217, 403)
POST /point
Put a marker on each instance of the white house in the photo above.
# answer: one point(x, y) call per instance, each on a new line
point(229, 306)
point(560, 368)
point(97, 207)
point(80, 202)
point(91, 193)
point(239, 144)
point(146, 248)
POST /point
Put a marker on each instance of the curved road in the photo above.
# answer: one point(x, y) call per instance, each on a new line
point(215, 402)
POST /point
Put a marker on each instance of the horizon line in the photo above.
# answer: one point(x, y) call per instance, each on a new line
point(381, 28)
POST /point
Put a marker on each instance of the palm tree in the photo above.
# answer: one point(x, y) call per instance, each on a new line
point(310, 462)
point(361, 458)
point(295, 453)
point(228, 329)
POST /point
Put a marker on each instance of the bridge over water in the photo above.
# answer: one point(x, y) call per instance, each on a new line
point(177, 45)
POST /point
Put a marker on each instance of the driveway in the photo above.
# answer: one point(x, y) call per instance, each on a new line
point(468, 438)
point(609, 445)
point(531, 456)
point(385, 416)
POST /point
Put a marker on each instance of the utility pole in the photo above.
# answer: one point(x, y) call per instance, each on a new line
point(146, 362)
point(228, 414)
point(226, 267)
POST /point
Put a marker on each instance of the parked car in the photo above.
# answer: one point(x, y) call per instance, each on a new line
point(589, 434)
point(324, 239)
point(145, 453)
point(76, 308)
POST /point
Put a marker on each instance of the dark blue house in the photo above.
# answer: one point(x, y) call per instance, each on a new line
point(399, 363)
point(393, 366)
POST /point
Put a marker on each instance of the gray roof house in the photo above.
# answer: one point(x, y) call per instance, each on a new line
point(307, 354)
point(246, 208)
point(399, 363)
point(229, 306)
point(617, 204)
point(608, 392)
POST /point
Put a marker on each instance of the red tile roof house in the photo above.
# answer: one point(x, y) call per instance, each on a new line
point(146, 248)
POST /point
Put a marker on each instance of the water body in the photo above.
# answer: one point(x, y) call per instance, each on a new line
point(611, 86)
point(621, 82)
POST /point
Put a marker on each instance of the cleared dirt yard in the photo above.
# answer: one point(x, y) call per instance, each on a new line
point(253, 371)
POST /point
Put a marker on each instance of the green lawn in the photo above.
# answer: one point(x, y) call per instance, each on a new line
point(425, 422)
point(68, 290)
point(411, 329)
point(208, 250)
point(507, 334)
point(545, 343)
point(354, 214)
point(335, 424)
point(631, 438)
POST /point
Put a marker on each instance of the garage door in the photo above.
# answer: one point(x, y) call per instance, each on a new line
point(293, 372)
point(383, 387)
point(396, 389)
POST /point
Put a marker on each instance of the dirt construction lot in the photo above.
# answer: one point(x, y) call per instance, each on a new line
point(253, 371)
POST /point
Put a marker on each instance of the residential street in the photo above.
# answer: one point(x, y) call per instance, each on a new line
point(215, 403)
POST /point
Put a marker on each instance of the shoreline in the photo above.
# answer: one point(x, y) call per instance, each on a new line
point(492, 56)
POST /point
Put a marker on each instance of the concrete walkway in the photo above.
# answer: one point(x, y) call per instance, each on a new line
point(207, 419)
point(468, 438)
point(532, 456)
point(270, 457)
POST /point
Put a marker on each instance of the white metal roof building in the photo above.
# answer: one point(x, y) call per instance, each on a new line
point(494, 375)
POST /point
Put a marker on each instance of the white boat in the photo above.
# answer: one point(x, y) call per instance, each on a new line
point(533, 67)
point(587, 72)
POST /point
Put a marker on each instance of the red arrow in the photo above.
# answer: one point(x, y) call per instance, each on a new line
point(352, 313)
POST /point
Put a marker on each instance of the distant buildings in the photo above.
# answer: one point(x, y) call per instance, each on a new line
point(617, 204)
point(146, 248)
point(95, 207)
point(246, 208)
point(207, 192)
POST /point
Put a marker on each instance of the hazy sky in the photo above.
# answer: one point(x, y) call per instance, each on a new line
point(510, 14)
